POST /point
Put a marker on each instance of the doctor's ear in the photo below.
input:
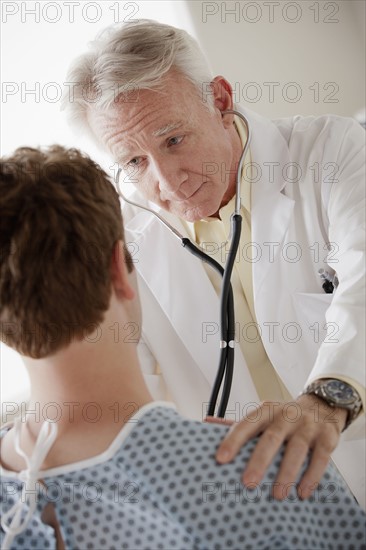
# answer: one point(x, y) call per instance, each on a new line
point(223, 97)
point(120, 272)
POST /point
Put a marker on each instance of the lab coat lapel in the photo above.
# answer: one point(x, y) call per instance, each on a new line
point(271, 216)
point(271, 210)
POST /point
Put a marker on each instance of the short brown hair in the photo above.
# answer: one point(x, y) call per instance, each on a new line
point(60, 219)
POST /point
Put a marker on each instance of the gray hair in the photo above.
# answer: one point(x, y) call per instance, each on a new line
point(126, 58)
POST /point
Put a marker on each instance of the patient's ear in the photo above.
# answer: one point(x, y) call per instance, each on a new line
point(119, 273)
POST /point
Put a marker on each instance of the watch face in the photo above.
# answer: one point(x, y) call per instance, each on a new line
point(339, 392)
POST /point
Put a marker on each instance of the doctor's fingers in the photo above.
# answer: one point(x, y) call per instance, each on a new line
point(305, 444)
point(295, 454)
point(240, 433)
point(319, 461)
point(300, 437)
point(264, 453)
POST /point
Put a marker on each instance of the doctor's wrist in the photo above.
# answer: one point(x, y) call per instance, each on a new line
point(338, 395)
point(322, 413)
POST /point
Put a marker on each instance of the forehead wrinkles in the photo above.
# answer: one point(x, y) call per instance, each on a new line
point(127, 125)
point(123, 126)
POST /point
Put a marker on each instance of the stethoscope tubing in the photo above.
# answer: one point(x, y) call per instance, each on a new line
point(227, 330)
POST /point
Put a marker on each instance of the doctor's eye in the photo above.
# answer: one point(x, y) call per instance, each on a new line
point(136, 161)
point(175, 140)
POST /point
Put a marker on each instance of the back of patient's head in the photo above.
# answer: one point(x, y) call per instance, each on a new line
point(60, 219)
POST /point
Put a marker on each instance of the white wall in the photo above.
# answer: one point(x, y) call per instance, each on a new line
point(39, 40)
point(322, 52)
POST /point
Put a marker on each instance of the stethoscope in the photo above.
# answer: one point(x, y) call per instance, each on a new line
point(227, 315)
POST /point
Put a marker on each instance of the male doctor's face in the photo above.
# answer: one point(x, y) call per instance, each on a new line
point(177, 153)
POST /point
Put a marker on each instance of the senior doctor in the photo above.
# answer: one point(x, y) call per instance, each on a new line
point(299, 373)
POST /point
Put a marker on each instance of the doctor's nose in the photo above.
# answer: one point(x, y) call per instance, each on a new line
point(171, 178)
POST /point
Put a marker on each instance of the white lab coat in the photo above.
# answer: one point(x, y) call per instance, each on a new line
point(307, 190)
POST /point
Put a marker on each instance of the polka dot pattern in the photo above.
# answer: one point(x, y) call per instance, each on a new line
point(164, 490)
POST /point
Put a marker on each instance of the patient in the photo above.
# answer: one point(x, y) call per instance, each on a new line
point(96, 463)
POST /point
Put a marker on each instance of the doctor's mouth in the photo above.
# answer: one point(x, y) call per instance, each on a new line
point(179, 196)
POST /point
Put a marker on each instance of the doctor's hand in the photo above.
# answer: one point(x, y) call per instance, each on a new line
point(305, 425)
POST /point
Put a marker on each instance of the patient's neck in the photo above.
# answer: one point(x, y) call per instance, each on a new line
point(86, 384)
point(76, 379)
point(90, 389)
point(92, 377)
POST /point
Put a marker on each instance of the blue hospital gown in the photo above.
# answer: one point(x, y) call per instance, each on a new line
point(158, 486)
